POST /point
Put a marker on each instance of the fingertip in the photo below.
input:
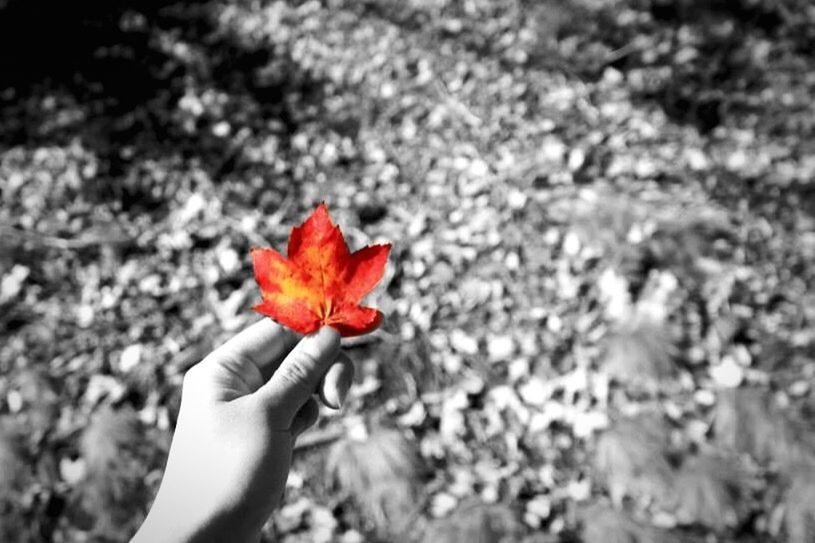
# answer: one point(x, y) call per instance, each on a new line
point(299, 374)
point(324, 340)
point(331, 332)
point(337, 381)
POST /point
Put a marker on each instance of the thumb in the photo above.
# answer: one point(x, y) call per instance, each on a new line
point(298, 376)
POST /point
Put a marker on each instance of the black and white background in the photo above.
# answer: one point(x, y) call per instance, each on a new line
point(600, 307)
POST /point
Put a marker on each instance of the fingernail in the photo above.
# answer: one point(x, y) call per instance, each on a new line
point(342, 391)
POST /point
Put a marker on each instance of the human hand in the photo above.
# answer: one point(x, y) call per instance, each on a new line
point(242, 408)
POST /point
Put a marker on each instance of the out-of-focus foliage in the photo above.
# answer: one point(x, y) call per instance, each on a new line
point(475, 523)
point(603, 524)
point(600, 308)
point(380, 473)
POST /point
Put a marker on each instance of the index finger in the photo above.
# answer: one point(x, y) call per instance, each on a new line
point(264, 344)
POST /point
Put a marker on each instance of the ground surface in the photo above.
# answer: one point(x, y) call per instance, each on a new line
point(600, 300)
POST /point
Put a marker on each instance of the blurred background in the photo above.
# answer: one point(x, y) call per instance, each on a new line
point(600, 307)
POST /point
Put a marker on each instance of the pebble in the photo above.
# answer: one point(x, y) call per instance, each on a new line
point(571, 244)
point(697, 430)
point(728, 374)
point(576, 158)
point(463, 342)
point(130, 357)
point(540, 506)
point(12, 282)
point(533, 392)
point(84, 315)
point(72, 471)
point(442, 504)
point(516, 199)
point(229, 260)
point(500, 348)
point(704, 397)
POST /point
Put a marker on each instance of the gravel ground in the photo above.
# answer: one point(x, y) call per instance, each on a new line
point(600, 314)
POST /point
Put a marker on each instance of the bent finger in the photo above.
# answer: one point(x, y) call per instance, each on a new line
point(293, 383)
point(305, 417)
point(264, 344)
point(336, 381)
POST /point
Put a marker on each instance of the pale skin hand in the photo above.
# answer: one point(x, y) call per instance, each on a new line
point(242, 408)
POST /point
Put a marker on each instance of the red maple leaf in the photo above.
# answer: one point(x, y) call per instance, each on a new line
point(320, 282)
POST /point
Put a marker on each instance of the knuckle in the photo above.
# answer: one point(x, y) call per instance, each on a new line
point(308, 360)
point(191, 377)
point(241, 368)
point(295, 374)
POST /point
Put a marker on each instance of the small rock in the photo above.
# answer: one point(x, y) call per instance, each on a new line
point(478, 168)
point(516, 199)
point(12, 282)
point(101, 386)
point(352, 536)
point(580, 490)
point(576, 159)
point(500, 348)
point(532, 520)
point(442, 504)
point(130, 357)
point(728, 374)
point(228, 260)
point(704, 397)
point(518, 369)
point(540, 506)
point(415, 415)
point(15, 401)
point(696, 159)
point(533, 392)
point(662, 519)
point(221, 129)
point(512, 261)
point(696, 430)
point(463, 343)
point(585, 424)
point(452, 363)
point(799, 388)
point(571, 244)
point(84, 315)
point(554, 324)
point(72, 471)
point(291, 516)
point(737, 161)
point(151, 284)
point(553, 150)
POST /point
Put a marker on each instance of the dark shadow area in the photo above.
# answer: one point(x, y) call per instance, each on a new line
point(96, 51)
point(113, 73)
point(713, 50)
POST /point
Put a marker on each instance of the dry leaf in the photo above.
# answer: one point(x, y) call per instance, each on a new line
point(381, 474)
point(708, 489)
point(602, 524)
point(799, 504)
point(746, 421)
point(640, 355)
point(630, 458)
point(475, 522)
point(114, 489)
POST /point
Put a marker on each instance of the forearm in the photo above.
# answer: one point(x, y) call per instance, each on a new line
point(183, 523)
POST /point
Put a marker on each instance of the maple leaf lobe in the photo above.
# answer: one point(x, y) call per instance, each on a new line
point(319, 282)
